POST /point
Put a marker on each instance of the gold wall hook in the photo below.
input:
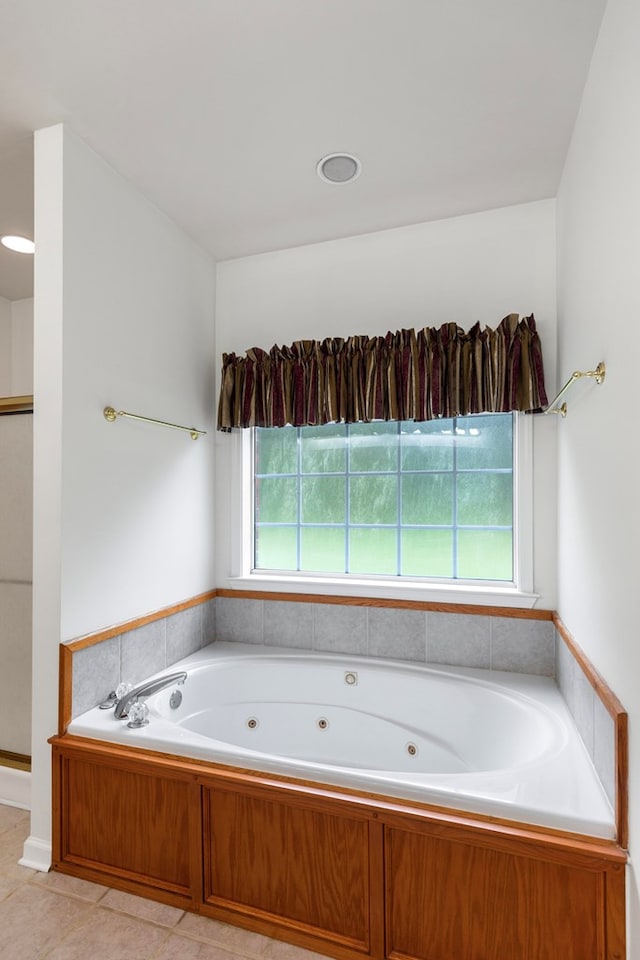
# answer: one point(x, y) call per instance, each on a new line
point(111, 414)
point(598, 375)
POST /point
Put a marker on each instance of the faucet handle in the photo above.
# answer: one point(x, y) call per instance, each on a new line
point(123, 688)
point(109, 701)
point(138, 713)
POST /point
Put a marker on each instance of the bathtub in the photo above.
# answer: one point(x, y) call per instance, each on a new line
point(487, 742)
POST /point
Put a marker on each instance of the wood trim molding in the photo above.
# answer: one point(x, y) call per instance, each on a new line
point(404, 813)
point(602, 689)
point(462, 608)
point(90, 639)
point(17, 761)
point(22, 404)
point(65, 687)
point(67, 650)
point(620, 720)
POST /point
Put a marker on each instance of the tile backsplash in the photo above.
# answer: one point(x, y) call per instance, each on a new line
point(595, 724)
point(136, 654)
point(422, 636)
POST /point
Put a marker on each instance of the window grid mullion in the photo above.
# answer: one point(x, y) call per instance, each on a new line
point(396, 471)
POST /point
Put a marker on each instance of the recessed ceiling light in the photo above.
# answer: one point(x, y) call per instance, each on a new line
point(338, 168)
point(19, 244)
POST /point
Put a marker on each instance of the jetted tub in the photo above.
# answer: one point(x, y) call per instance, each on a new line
point(493, 743)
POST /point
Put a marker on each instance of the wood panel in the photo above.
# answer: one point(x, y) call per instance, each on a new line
point(447, 900)
point(307, 868)
point(128, 823)
point(515, 613)
point(341, 874)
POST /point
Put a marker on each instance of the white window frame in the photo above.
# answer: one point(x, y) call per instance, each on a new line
point(481, 593)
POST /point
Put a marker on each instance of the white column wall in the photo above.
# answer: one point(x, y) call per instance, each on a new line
point(469, 269)
point(123, 512)
point(5, 347)
point(599, 309)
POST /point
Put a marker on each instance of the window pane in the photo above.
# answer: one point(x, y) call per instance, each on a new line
point(277, 450)
point(427, 498)
point(427, 553)
point(485, 499)
point(276, 548)
point(401, 499)
point(373, 550)
point(372, 446)
point(373, 499)
point(277, 500)
point(484, 442)
point(427, 446)
point(323, 549)
point(485, 555)
point(323, 499)
point(324, 449)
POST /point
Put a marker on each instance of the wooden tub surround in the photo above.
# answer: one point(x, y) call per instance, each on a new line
point(343, 872)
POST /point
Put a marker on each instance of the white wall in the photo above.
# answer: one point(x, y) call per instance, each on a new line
point(16, 470)
point(16, 509)
point(123, 513)
point(599, 313)
point(5, 347)
point(473, 268)
point(22, 347)
point(16, 347)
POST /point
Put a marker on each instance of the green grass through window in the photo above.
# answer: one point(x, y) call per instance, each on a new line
point(408, 499)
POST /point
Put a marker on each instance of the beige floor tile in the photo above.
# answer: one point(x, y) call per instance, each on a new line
point(57, 917)
point(11, 817)
point(11, 869)
point(12, 877)
point(32, 921)
point(71, 886)
point(233, 938)
point(186, 949)
point(8, 887)
point(12, 844)
point(142, 908)
point(110, 936)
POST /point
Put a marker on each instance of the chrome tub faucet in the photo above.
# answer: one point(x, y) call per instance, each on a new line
point(146, 689)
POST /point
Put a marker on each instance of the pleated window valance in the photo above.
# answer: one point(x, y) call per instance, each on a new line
point(407, 375)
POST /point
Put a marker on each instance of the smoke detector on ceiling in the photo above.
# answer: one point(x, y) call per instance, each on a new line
point(339, 168)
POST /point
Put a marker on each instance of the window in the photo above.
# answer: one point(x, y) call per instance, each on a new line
point(407, 500)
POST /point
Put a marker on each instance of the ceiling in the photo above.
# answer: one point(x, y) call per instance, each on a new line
point(218, 110)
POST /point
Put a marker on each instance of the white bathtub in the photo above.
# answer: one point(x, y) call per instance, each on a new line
point(488, 742)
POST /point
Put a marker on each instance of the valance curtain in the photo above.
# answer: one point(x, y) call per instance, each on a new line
point(407, 375)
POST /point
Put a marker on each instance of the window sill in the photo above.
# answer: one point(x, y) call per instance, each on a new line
point(463, 595)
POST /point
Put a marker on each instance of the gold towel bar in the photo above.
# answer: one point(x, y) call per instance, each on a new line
point(597, 374)
point(110, 414)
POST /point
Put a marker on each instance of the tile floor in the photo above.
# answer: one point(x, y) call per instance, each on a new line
point(57, 917)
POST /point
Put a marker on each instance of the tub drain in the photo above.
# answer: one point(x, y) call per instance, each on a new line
point(252, 723)
point(322, 723)
point(412, 750)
